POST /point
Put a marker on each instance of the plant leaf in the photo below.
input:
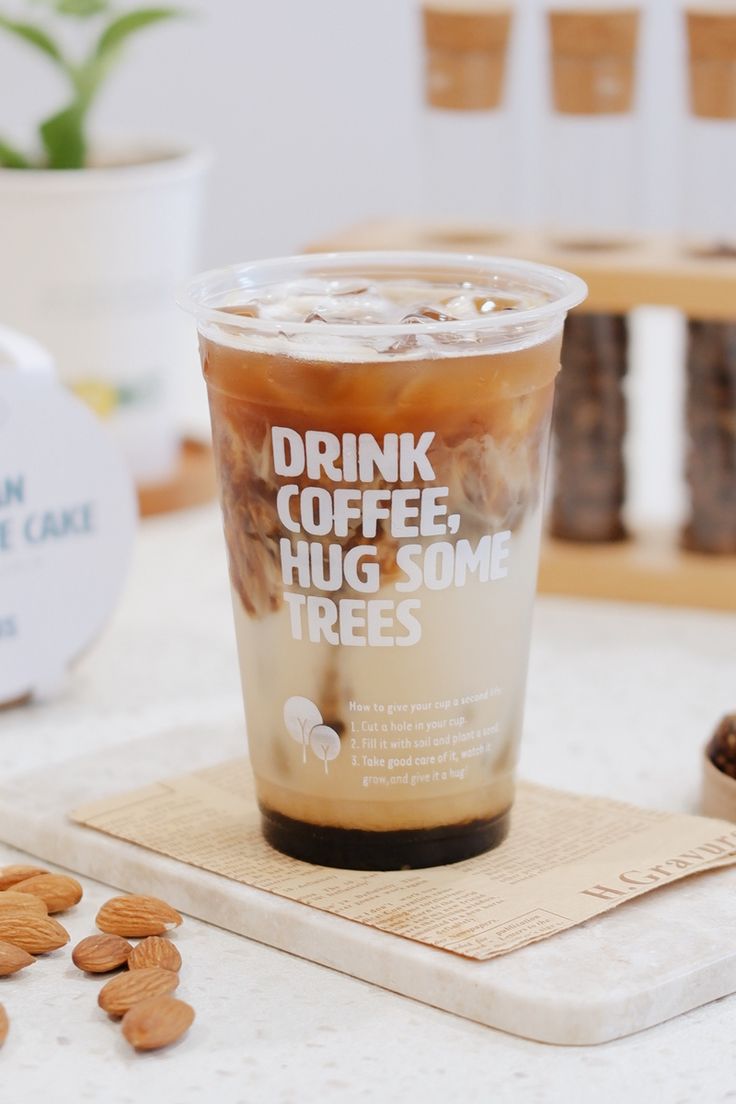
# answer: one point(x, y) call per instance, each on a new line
point(81, 8)
point(88, 77)
point(11, 158)
point(125, 25)
point(63, 138)
point(33, 35)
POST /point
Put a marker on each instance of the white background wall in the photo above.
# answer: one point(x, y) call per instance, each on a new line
point(313, 109)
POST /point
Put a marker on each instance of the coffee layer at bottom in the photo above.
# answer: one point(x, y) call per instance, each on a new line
point(409, 849)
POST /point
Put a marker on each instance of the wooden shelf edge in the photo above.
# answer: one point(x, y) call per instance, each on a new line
point(620, 276)
point(648, 569)
point(193, 483)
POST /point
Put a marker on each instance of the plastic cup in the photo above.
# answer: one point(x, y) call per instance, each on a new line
point(381, 426)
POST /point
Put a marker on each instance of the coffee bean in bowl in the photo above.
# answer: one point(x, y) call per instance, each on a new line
point(719, 777)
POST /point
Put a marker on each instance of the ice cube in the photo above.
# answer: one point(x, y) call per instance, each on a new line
point(427, 314)
point(407, 343)
point(252, 309)
point(461, 307)
point(349, 287)
point(484, 305)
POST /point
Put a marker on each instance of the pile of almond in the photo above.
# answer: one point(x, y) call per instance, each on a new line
point(27, 895)
point(140, 995)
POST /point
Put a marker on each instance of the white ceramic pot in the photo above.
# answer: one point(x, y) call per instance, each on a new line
point(89, 265)
point(23, 354)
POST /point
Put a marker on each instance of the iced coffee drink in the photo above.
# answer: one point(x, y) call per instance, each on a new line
point(381, 427)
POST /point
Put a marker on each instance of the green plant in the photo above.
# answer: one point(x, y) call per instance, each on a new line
point(64, 135)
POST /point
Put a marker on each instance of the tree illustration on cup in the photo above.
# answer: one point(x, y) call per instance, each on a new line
point(325, 743)
point(304, 724)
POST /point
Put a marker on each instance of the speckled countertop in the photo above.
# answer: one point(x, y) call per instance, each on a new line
point(620, 700)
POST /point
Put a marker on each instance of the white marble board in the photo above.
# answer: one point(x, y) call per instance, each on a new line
point(654, 958)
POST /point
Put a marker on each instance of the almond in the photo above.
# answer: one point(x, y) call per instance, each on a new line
point(13, 959)
point(157, 1022)
point(58, 891)
point(130, 988)
point(11, 875)
point(35, 934)
point(10, 901)
point(99, 954)
point(155, 951)
point(137, 916)
point(4, 1025)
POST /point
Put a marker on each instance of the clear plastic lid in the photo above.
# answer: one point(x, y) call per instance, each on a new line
point(406, 305)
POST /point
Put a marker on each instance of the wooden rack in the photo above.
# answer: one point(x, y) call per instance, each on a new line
point(620, 276)
point(192, 484)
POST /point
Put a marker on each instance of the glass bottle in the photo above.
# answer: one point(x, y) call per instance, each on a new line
point(590, 201)
point(710, 227)
point(466, 150)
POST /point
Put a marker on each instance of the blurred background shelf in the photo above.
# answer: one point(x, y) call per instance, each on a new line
point(650, 568)
point(193, 483)
point(621, 275)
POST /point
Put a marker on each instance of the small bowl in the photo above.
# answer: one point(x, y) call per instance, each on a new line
point(718, 798)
